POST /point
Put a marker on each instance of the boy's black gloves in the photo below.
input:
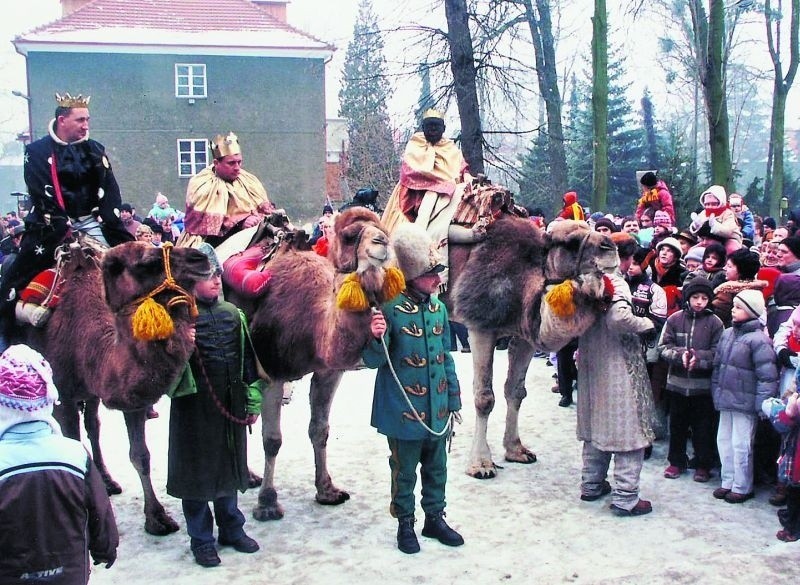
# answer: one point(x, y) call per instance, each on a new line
point(784, 356)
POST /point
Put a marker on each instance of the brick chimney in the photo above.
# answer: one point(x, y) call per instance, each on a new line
point(70, 6)
point(275, 8)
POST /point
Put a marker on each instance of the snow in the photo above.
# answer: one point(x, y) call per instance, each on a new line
point(527, 525)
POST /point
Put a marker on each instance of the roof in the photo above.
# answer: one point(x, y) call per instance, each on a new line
point(224, 27)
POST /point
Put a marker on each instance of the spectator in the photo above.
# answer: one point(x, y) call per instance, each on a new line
point(54, 509)
point(655, 196)
point(718, 218)
point(741, 269)
point(605, 226)
point(571, 209)
point(745, 374)
point(126, 215)
point(744, 216)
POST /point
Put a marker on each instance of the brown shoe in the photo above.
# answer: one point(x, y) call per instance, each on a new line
point(641, 508)
point(734, 498)
point(786, 536)
point(779, 497)
point(701, 475)
point(720, 493)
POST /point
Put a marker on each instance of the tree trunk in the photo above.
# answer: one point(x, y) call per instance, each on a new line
point(773, 183)
point(544, 49)
point(462, 63)
point(716, 100)
point(600, 105)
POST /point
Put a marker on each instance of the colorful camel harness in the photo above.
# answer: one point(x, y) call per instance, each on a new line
point(151, 321)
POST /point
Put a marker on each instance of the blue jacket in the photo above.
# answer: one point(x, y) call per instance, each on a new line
point(418, 340)
point(745, 369)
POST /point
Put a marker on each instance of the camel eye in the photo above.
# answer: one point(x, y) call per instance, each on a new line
point(606, 246)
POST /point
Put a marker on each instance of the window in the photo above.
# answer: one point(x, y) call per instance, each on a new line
point(192, 156)
point(190, 80)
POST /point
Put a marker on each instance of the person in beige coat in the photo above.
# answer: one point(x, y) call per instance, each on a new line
point(615, 403)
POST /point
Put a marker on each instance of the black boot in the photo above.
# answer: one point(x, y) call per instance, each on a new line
point(436, 527)
point(406, 538)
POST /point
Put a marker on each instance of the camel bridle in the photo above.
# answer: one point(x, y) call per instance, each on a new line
point(181, 298)
point(578, 259)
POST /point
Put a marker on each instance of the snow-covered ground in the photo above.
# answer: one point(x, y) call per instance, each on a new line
point(528, 525)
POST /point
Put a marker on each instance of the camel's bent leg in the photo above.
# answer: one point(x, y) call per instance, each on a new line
point(520, 353)
point(268, 507)
point(156, 519)
point(323, 389)
point(482, 343)
point(91, 421)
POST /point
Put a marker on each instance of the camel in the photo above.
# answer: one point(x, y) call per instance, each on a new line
point(498, 289)
point(297, 328)
point(90, 344)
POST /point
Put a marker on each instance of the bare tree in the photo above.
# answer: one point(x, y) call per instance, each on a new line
point(462, 64)
point(773, 184)
point(600, 104)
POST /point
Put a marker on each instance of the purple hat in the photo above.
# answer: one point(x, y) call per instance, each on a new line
point(27, 392)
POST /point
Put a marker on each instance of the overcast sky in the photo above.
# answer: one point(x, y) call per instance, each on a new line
point(332, 21)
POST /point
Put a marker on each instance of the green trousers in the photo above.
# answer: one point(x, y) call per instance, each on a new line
point(431, 456)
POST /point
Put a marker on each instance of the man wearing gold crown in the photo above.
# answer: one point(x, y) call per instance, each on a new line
point(71, 187)
point(223, 198)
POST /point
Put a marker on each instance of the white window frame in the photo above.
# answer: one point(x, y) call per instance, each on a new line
point(192, 79)
point(196, 147)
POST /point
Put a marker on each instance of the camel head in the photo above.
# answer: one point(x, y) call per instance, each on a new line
point(133, 270)
point(361, 245)
point(578, 253)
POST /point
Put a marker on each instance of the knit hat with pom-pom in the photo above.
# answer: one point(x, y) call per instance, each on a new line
point(27, 392)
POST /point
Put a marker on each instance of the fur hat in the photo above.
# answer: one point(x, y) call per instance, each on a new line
point(752, 301)
point(415, 251)
point(698, 284)
point(27, 392)
point(662, 218)
point(672, 243)
point(208, 250)
point(695, 253)
point(769, 222)
point(626, 244)
point(126, 207)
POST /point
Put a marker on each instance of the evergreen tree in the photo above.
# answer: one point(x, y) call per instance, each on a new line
point(626, 140)
point(535, 188)
point(372, 154)
point(651, 138)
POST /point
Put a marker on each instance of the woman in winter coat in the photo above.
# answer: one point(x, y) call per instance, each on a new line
point(741, 269)
point(745, 374)
point(615, 403)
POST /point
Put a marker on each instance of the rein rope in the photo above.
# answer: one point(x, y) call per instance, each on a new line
point(578, 260)
point(448, 428)
point(182, 298)
point(217, 402)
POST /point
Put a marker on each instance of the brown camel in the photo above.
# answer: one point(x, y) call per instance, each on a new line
point(90, 344)
point(297, 329)
point(498, 288)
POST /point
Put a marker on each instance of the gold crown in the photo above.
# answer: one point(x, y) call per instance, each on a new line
point(225, 145)
point(67, 101)
point(431, 113)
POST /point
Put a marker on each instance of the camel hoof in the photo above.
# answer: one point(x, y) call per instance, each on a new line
point(484, 470)
point(333, 500)
point(525, 457)
point(112, 487)
point(265, 513)
point(268, 507)
point(160, 525)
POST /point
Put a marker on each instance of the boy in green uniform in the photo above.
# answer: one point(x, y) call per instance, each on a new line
point(413, 408)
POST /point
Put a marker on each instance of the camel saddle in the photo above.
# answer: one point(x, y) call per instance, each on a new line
point(38, 299)
point(244, 255)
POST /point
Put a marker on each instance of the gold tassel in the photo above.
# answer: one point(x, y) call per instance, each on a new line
point(351, 296)
point(560, 299)
point(393, 283)
point(151, 322)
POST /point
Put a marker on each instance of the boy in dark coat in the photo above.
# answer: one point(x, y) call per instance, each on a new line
point(218, 396)
point(688, 344)
point(416, 410)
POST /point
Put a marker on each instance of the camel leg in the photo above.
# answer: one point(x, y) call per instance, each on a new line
point(520, 353)
point(268, 507)
point(91, 422)
point(323, 389)
point(156, 519)
point(482, 343)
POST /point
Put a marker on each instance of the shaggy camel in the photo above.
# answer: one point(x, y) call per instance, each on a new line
point(498, 288)
point(90, 344)
point(297, 329)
